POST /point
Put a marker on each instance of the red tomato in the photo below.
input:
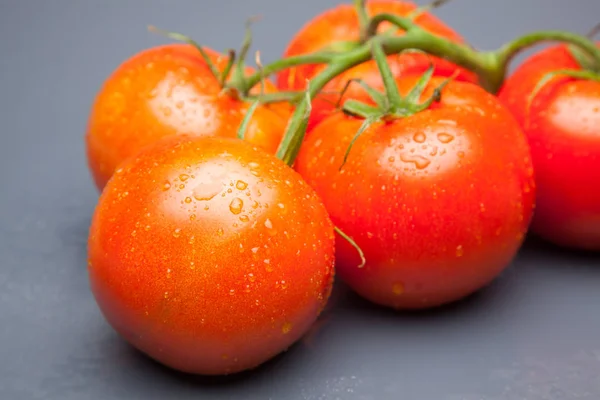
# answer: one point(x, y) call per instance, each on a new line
point(209, 255)
point(169, 90)
point(563, 128)
point(341, 24)
point(439, 201)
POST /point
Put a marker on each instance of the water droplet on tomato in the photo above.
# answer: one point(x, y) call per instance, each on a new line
point(461, 154)
point(206, 191)
point(168, 273)
point(459, 251)
point(177, 232)
point(192, 217)
point(419, 161)
point(241, 185)
point(188, 200)
point(133, 233)
point(398, 288)
point(220, 232)
point(251, 277)
point(419, 137)
point(482, 207)
point(236, 205)
point(184, 177)
point(286, 328)
point(444, 137)
point(166, 295)
point(255, 249)
point(244, 218)
point(370, 235)
point(268, 267)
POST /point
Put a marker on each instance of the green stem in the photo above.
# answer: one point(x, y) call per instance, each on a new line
point(227, 70)
point(394, 100)
point(363, 18)
point(289, 62)
point(401, 22)
point(507, 52)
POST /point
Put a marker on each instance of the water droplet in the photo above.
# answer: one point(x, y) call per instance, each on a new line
point(177, 232)
point(220, 232)
point(184, 177)
point(188, 200)
point(268, 224)
point(231, 292)
point(192, 217)
point(166, 295)
point(419, 137)
point(168, 272)
point(206, 191)
point(192, 265)
point(370, 235)
point(419, 161)
point(244, 218)
point(182, 186)
point(459, 251)
point(398, 288)
point(147, 228)
point(236, 205)
point(391, 159)
point(251, 277)
point(133, 233)
point(286, 328)
point(482, 207)
point(445, 137)
point(241, 185)
point(268, 267)
point(461, 154)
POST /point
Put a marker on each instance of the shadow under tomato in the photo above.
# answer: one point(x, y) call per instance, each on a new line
point(147, 366)
point(584, 259)
point(468, 307)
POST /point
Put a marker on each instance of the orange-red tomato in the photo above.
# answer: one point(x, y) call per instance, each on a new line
point(210, 255)
point(439, 201)
point(169, 90)
point(562, 124)
point(341, 24)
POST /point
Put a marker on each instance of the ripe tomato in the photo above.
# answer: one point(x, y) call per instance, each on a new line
point(209, 255)
point(563, 128)
point(438, 201)
point(168, 90)
point(341, 24)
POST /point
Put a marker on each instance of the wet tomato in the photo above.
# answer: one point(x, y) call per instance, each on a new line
point(439, 201)
point(562, 123)
point(210, 255)
point(341, 24)
point(169, 90)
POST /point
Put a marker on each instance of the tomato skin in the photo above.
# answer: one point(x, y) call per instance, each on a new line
point(209, 255)
point(341, 24)
point(167, 90)
point(439, 201)
point(563, 129)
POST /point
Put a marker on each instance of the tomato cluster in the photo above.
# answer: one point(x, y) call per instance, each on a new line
point(212, 255)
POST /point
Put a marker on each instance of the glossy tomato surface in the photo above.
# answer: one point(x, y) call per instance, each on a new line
point(340, 24)
point(167, 90)
point(439, 201)
point(209, 255)
point(562, 123)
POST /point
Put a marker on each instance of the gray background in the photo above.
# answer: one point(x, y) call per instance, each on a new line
point(534, 334)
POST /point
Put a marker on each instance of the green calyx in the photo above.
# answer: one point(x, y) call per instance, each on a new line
point(389, 104)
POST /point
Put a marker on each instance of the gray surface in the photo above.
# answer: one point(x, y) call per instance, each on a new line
point(534, 334)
